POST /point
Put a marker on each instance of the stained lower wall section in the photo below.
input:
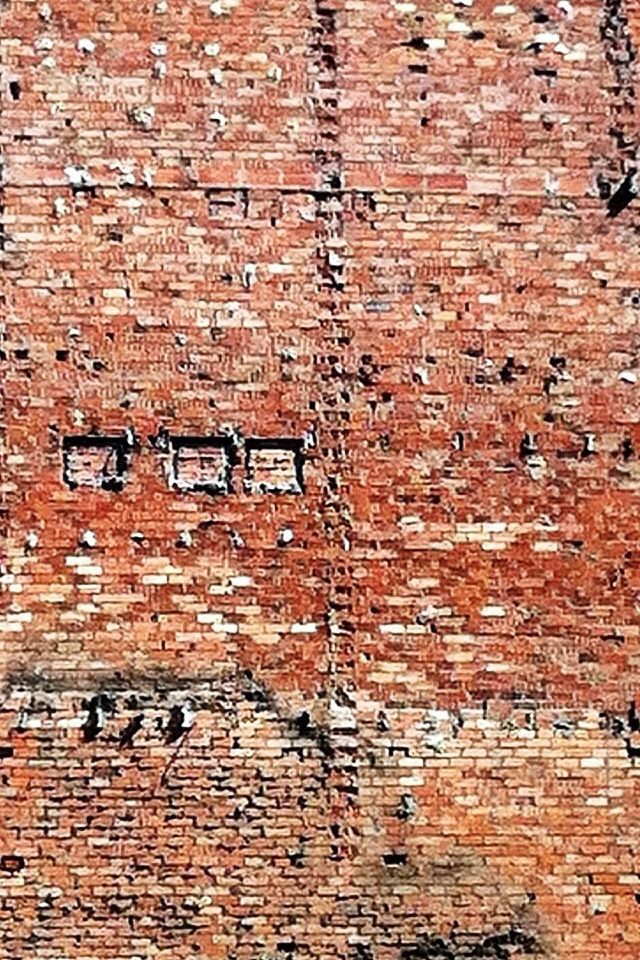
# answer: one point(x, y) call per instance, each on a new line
point(176, 820)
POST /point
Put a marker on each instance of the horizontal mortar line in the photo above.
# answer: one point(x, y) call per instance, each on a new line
point(585, 201)
point(311, 190)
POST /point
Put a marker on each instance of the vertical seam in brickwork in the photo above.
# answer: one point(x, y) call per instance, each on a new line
point(329, 200)
point(335, 413)
point(3, 427)
point(620, 53)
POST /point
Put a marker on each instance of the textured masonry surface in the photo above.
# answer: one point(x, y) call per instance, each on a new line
point(319, 479)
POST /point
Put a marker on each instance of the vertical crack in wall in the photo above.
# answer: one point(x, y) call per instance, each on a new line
point(335, 422)
point(620, 53)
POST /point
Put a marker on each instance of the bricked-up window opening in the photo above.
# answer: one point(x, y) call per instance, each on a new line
point(202, 464)
point(94, 461)
point(274, 466)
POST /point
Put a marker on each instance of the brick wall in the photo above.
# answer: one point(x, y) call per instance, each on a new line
point(319, 475)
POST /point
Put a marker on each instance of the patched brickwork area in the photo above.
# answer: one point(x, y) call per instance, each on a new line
point(319, 480)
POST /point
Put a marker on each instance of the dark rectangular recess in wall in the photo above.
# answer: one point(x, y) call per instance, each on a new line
point(202, 464)
point(95, 461)
point(274, 465)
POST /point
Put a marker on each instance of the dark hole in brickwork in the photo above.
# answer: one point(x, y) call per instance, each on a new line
point(274, 466)
point(87, 188)
point(6, 752)
point(304, 726)
point(507, 944)
point(630, 296)
point(417, 43)
point(202, 464)
point(394, 859)
point(125, 737)
point(180, 721)
point(296, 859)
point(15, 89)
point(528, 445)
point(627, 449)
point(588, 445)
point(626, 191)
point(539, 16)
point(98, 708)
point(10, 863)
point(95, 461)
point(603, 186)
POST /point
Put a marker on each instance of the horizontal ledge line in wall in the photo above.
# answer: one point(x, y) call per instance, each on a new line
point(258, 188)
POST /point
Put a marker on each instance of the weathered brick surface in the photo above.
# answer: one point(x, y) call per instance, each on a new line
point(364, 693)
point(233, 841)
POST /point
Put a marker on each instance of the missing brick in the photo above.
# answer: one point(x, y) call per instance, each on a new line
point(394, 859)
point(274, 466)
point(626, 448)
point(100, 462)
